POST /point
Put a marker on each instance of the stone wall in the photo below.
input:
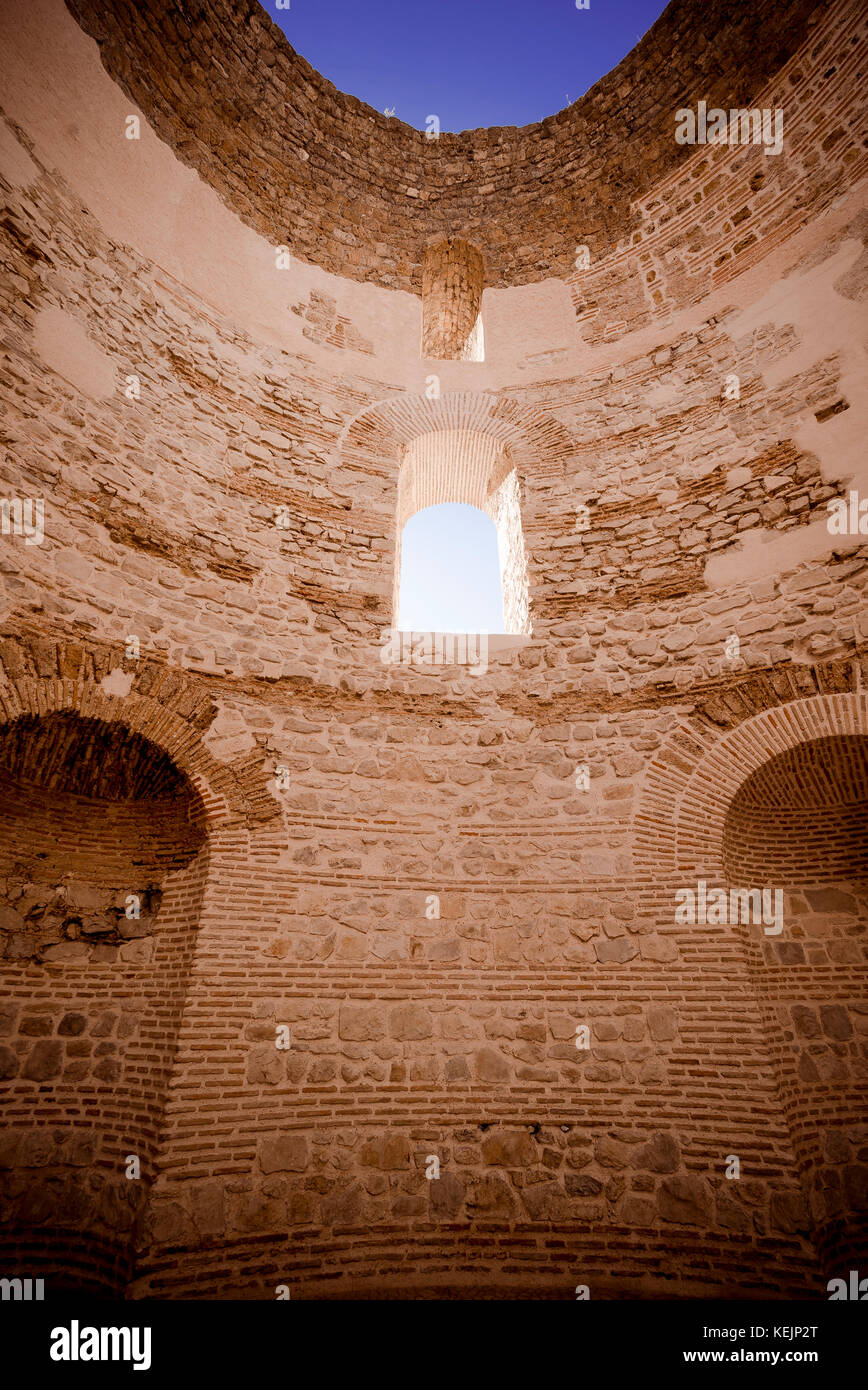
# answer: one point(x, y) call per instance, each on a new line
point(361, 193)
point(434, 879)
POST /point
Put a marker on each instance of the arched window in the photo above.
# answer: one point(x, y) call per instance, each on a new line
point(458, 474)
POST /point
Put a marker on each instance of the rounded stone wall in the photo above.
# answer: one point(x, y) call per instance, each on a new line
point(429, 880)
point(360, 193)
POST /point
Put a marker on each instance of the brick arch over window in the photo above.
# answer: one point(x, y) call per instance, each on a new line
point(690, 785)
point(539, 443)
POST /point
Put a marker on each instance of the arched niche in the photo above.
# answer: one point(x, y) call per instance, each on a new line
point(453, 280)
point(103, 853)
point(779, 803)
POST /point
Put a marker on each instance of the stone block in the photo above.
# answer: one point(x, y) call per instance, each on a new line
point(284, 1153)
point(685, 1200)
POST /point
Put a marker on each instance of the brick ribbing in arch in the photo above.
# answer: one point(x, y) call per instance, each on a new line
point(167, 708)
point(88, 757)
point(802, 817)
point(689, 787)
point(536, 438)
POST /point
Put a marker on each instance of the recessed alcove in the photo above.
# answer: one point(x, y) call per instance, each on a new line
point(802, 818)
point(453, 279)
point(101, 873)
point(800, 824)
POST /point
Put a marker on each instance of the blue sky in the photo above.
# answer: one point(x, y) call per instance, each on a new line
point(450, 572)
point(469, 62)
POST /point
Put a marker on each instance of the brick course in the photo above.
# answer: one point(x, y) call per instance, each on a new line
point(304, 905)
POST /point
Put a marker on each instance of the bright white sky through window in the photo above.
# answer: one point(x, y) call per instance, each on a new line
point(450, 572)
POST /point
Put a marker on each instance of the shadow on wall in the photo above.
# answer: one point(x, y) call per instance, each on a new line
point(101, 871)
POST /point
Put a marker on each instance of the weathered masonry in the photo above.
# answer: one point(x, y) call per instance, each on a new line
point(280, 921)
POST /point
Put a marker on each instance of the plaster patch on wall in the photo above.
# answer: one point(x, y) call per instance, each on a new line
point(16, 166)
point(802, 300)
point(229, 737)
point(115, 179)
point(761, 553)
point(737, 476)
point(533, 325)
point(64, 346)
point(117, 682)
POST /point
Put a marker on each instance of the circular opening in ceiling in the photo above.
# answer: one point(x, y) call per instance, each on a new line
point(492, 63)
